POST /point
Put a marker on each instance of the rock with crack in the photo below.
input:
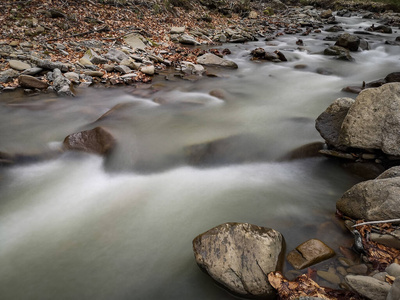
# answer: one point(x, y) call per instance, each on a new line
point(239, 256)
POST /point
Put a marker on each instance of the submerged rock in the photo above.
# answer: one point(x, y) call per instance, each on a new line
point(309, 253)
point(239, 256)
point(96, 140)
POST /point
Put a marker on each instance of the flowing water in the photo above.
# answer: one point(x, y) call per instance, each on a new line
point(82, 227)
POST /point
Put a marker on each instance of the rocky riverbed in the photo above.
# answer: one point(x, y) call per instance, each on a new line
point(65, 50)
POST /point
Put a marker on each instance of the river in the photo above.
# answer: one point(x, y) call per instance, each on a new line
point(82, 227)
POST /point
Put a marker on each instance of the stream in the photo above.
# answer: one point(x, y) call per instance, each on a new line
point(80, 226)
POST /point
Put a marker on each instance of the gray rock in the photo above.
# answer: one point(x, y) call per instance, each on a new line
point(394, 293)
point(116, 55)
point(177, 30)
point(372, 200)
point(385, 239)
point(61, 84)
point(373, 121)
point(32, 71)
point(50, 65)
point(330, 121)
point(390, 173)
point(220, 38)
point(8, 75)
point(210, 59)
point(191, 68)
point(93, 73)
point(135, 41)
point(187, 40)
point(368, 286)
point(348, 41)
point(340, 53)
point(95, 58)
point(393, 270)
point(19, 65)
point(123, 69)
point(239, 256)
point(129, 62)
point(72, 76)
point(147, 69)
point(31, 82)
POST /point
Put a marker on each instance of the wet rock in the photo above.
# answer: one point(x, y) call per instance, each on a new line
point(348, 41)
point(380, 28)
point(191, 68)
point(335, 28)
point(393, 77)
point(19, 65)
point(116, 55)
point(340, 53)
point(96, 140)
point(361, 269)
point(386, 239)
point(368, 286)
point(135, 41)
point(394, 293)
point(309, 253)
point(305, 151)
point(329, 276)
point(31, 82)
point(8, 75)
point(210, 59)
point(239, 256)
point(329, 123)
point(95, 58)
point(372, 200)
point(372, 122)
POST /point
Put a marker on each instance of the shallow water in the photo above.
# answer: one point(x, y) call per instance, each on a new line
point(81, 227)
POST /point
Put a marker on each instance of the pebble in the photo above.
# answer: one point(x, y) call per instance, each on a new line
point(361, 269)
point(329, 276)
point(19, 65)
point(393, 270)
point(94, 73)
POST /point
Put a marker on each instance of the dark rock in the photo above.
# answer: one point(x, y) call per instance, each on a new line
point(393, 77)
point(305, 151)
point(352, 89)
point(239, 256)
point(329, 123)
point(210, 59)
point(96, 140)
point(348, 41)
point(335, 28)
point(309, 253)
point(31, 82)
point(340, 53)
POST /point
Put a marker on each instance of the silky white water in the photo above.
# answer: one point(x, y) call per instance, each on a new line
point(83, 227)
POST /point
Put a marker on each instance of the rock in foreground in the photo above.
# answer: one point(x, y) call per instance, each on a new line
point(96, 140)
point(239, 256)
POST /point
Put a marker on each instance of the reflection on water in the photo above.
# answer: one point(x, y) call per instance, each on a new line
point(80, 227)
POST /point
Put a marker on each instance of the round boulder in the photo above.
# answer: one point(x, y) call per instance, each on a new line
point(239, 256)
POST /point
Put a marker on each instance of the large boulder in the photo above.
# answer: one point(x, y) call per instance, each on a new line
point(373, 121)
point(210, 59)
point(96, 140)
point(330, 121)
point(373, 200)
point(348, 41)
point(239, 256)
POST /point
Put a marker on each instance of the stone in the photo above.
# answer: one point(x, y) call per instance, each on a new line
point(147, 69)
point(135, 41)
point(393, 270)
point(361, 269)
point(372, 200)
point(51, 65)
point(368, 286)
point(187, 39)
point(123, 69)
point(385, 239)
point(32, 71)
point(329, 276)
point(96, 140)
point(335, 28)
point(309, 253)
point(340, 53)
point(325, 14)
point(330, 121)
point(373, 121)
point(253, 15)
point(31, 82)
point(177, 30)
point(394, 293)
point(129, 62)
point(95, 58)
point(393, 77)
point(191, 68)
point(61, 84)
point(85, 61)
point(210, 59)
point(239, 256)
point(8, 75)
point(116, 55)
point(72, 76)
point(348, 41)
point(108, 67)
point(93, 73)
point(390, 173)
point(19, 65)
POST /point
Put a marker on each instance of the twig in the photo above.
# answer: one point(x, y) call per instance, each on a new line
point(377, 222)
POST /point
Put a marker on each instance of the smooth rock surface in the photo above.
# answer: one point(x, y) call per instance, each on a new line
point(31, 82)
point(394, 293)
point(373, 121)
point(210, 59)
point(309, 253)
point(96, 140)
point(19, 65)
point(330, 121)
point(368, 286)
point(239, 256)
point(348, 41)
